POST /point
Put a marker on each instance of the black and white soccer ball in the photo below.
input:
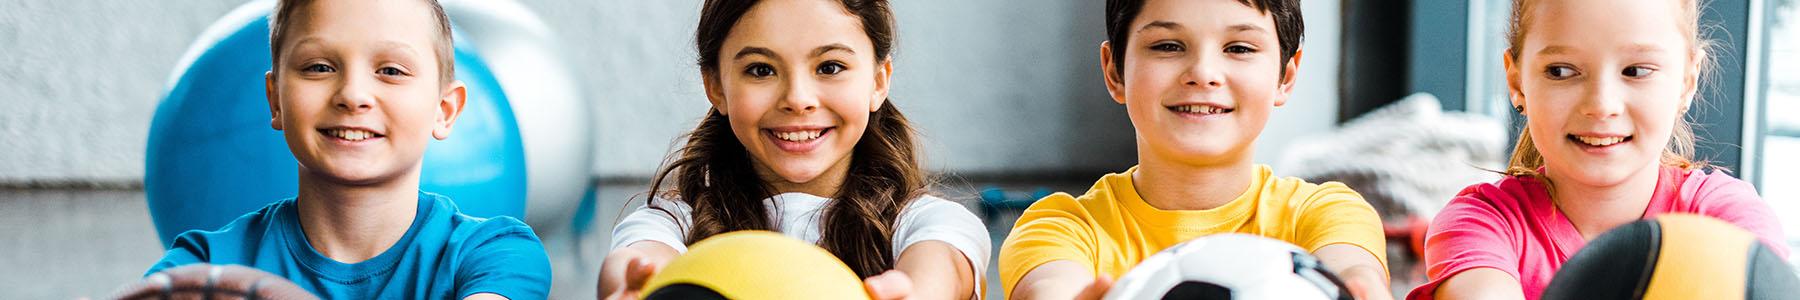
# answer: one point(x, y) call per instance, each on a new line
point(1230, 266)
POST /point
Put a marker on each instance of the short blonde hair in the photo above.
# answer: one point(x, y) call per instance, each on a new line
point(288, 11)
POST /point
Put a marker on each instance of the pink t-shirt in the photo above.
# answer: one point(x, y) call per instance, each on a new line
point(1512, 226)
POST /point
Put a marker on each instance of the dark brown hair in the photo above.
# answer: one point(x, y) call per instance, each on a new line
point(713, 174)
point(1678, 153)
point(1289, 26)
point(288, 13)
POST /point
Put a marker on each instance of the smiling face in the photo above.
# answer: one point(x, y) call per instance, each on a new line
point(1200, 78)
point(798, 80)
point(1602, 89)
point(357, 92)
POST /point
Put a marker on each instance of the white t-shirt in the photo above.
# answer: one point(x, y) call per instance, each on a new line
point(927, 218)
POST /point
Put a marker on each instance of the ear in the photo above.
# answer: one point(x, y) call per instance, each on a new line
point(715, 91)
point(274, 102)
point(1115, 81)
point(883, 77)
point(1692, 80)
point(450, 106)
point(1290, 70)
point(1512, 80)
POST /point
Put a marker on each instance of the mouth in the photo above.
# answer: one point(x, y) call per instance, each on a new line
point(1599, 141)
point(350, 134)
point(798, 139)
point(1199, 109)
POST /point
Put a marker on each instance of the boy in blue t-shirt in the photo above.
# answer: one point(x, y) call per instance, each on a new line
point(359, 88)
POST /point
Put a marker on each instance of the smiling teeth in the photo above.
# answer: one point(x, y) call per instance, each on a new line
point(350, 134)
point(1600, 141)
point(798, 136)
point(1199, 109)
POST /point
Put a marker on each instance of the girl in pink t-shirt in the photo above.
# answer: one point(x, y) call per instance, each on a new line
point(1603, 86)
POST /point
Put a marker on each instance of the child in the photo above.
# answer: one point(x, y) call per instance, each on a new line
point(1198, 79)
point(358, 88)
point(1603, 86)
point(802, 140)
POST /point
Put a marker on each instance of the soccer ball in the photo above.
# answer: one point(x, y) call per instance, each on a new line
point(1230, 266)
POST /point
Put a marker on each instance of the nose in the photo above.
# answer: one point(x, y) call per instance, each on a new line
point(798, 96)
point(353, 95)
point(1603, 99)
point(1202, 74)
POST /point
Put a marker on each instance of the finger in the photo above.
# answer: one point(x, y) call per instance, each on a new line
point(637, 273)
point(889, 285)
point(1096, 289)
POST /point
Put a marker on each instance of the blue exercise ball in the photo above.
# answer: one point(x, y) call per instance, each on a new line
point(211, 156)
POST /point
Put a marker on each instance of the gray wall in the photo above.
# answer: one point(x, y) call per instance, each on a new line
point(996, 87)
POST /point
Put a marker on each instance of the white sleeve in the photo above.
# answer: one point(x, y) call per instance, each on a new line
point(933, 219)
point(649, 224)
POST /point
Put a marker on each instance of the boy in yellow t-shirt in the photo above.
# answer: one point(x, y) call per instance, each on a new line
point(1198, 79)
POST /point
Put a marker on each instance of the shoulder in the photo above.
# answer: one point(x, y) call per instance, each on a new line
point(1701, 186)
point(1512, 195)
point(929, 211)
point(232, 243)
point(471, 230)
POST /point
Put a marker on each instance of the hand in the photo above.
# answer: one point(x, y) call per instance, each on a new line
point(637, 272)
point(1096, 289)
point(890, 285)
point(207, 281)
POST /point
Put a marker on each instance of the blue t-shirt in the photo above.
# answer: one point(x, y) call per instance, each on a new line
point(445, 254)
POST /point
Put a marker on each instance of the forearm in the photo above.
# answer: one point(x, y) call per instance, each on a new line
point(1480, 283)
point(937, 264)
point(1060, 279)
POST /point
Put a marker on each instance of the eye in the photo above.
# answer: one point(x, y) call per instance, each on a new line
point(1239, 49)
point(1168, 47)
point(390, 71)
point(759, 70)
point(1637, 72)
point(1560, 72)
point(831, 68)
point(317, 68)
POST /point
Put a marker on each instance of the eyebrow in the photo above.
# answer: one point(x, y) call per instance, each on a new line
point(383, 45)
point(1245, 27)
point(748, 51)
point(1241, 27)
point(1632, 48)
point(821, 50)
point(1160, 24)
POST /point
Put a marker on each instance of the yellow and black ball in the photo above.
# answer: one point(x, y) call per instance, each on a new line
point(755, 265)
point(1675, 257)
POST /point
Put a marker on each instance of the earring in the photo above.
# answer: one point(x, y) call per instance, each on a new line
point(1519, 109)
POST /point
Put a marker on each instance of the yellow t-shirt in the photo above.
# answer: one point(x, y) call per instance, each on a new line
point(1111, 228)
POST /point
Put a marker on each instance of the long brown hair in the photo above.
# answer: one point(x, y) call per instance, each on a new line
point(714, 176)
point(1678, 153)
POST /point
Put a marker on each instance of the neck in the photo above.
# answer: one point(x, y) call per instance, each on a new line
point(1594, 209)
point(1174, 185)
point(825, 185)
point(353, 223)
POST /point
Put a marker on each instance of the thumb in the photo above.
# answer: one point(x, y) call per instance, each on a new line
point(637, 273)
point(890, 285)
point(1096, 289)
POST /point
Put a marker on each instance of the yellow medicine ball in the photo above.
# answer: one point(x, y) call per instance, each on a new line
point(755, 265)
point(1677, 256)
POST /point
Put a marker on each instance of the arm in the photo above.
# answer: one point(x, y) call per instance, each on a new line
point(1360, 270)
point(1481, 283)
point(625, 271)
point(936, 264)
point(1061, 279)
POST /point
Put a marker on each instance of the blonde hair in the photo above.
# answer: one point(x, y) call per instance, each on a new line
point(1679, 152)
